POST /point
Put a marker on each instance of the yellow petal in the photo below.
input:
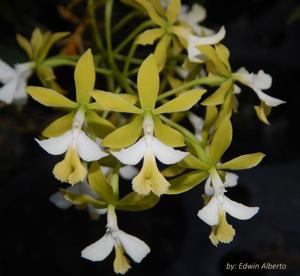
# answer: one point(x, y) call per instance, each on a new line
point(84, 76)
point(114, 102)
point(223, 232)
point(181, 103)
point(36, 42)
point(151, 12)
point(161, 51)
point(211, 54)
point(220, 142)
point(48, 43)
point(150, 178)
point(173, 11)
point(148, 83)
point(25, 45)
point(223, 54)
point(149, 36)
point(121, 263)
point(49, 97)
point(59, 126)
point(167, 135)
point(124, 136)
point(70, 169)
point(218, 97)
point(262, 112)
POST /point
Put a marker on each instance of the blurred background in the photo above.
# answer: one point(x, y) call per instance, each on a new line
point(38, 238)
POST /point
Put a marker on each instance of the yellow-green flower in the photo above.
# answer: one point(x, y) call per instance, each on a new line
point(66, 134)
point(158, 140)
point(169, 30)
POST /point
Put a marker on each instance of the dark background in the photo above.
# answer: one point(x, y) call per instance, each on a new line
point(37, 238)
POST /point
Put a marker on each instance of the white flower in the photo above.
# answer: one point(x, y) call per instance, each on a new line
point(231, 180)
point(194, 54)
point(193, 17)
point(14, 81)
point(258, 82)
point(80, 188)
point(197, 123)
point(76, 144)
point(148, 148)
point(135, 248)
point(220, 203)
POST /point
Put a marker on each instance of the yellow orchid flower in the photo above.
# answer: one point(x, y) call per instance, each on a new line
point(169, 30)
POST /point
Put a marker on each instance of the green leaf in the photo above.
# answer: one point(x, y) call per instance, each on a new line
point(99, 183)
point(173, 11)
point(59, 126)
point(151, 12)
point(192, 162)
point(167, 135)
point(185, 182)
point(114, 102)
point(125, 135)
point(181, 103)
point(100, 126)
point(149, 36)
point(243, 162)
point(25, 45)
point(148, 83)
point(49, 97)
point(135, 202)
point(84, 76)
point(218, 97)
point(220, 141)
point(83, 199)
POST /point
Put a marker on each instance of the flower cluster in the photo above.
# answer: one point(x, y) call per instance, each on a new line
point(130, 125)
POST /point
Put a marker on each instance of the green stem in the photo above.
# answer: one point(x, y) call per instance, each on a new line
point(133, 71)
point(212, 81)
point(127, 18)
point(136, 61)
point(56, 62)
point(129, 58)
point(133, 34)
point(94, 26)
point(190, 138)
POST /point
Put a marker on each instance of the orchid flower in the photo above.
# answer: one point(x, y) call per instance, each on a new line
point(194, 54)
point(193, 17)
point(148, 148)
point(122, 242)
point(168, 29)
point(214, 212)
point(14, 81)
point(83, 187)
point(258, 82)
point(58, 199)
point(77, 145)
